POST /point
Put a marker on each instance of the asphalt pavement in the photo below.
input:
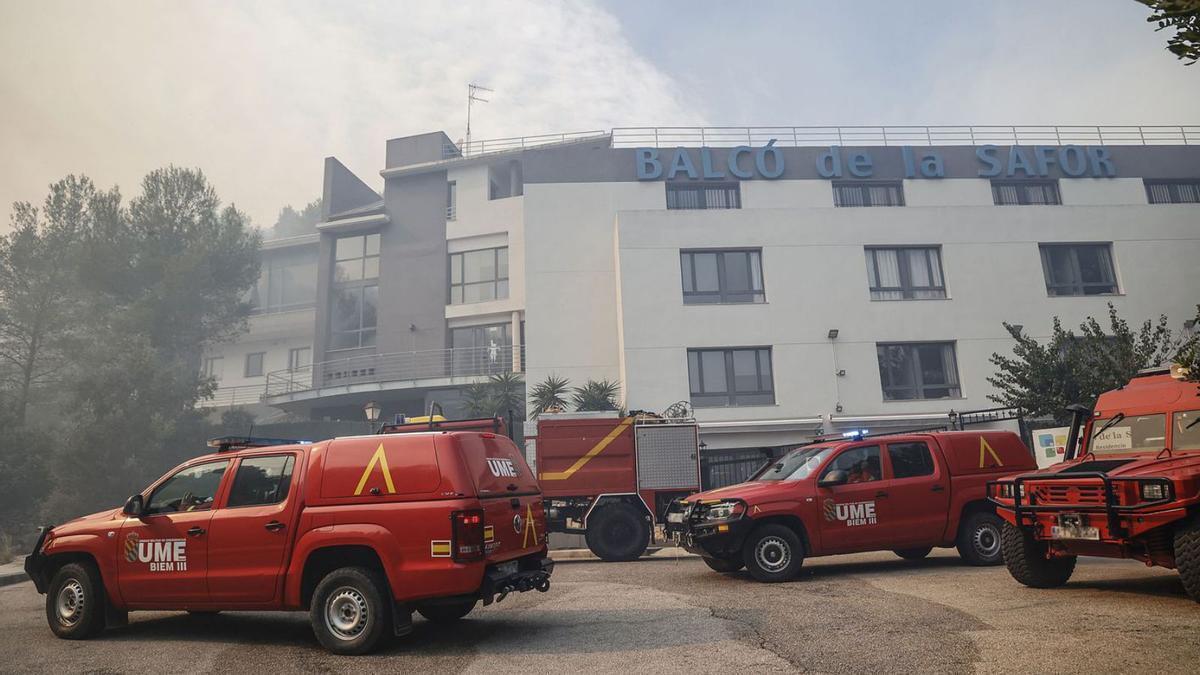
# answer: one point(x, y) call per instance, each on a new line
point(860, 613)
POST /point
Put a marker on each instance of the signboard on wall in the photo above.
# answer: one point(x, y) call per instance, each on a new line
point(1050, 445)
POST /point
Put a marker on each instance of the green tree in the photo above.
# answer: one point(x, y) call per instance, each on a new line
point(1188, 355)
point(548, 394)
point(292, 223)
point(496, 395)
point(1184, 17)
point(596, 395)
point(1042, 379)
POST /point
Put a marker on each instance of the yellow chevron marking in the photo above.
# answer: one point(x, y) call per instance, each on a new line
point(985, 447)
point(380, 458)
point(597, 449)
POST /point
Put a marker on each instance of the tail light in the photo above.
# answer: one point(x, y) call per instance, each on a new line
point(466, 544)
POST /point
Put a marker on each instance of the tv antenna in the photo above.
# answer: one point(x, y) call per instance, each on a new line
point(472, 96)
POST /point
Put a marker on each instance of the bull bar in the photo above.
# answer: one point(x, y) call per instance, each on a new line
point(1111, 507)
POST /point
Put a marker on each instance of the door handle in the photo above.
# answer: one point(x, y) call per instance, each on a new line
point(195, 531)
point(515, 503)
point(880, 494)
point(274, 526)
point(938, 488)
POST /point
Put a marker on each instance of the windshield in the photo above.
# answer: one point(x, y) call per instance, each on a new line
point(796, 465)
point(1140, 433)
point(1186, 432)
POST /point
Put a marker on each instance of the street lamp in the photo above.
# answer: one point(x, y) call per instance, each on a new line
point(372, 410)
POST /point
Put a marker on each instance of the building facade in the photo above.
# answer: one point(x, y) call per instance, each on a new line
point(783, 281)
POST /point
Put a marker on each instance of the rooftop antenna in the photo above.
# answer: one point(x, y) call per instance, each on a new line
point(472, 88)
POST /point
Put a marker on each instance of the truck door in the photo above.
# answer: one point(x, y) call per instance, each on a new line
point(856, 516)
point(164, 555)
point(918, 492)
point(249, 534)
point(514, 520)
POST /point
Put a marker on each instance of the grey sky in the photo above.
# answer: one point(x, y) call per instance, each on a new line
point(257, 93)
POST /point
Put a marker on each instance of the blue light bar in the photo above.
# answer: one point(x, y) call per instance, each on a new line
point(226, 443)
point(855, 433)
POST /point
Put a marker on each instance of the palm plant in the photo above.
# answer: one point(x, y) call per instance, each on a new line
point(549, 394)
point(595, 395)
point(507, 393)
point(477, 399)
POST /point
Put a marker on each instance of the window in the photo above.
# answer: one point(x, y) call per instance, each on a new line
point(353, 316)
point(729, 377)
point(910, 460)
point(909, 273)
point(190, 489)
point(721, 276)
point(261, 480)
point(480, 350)
point(868, 194)
point(1186, 432)
point(1135, 433)
point(479, 276)
point(356, 258)
point(213, 365)
point(1025, 192)
point(1078, 269)
point(918, 370)
point(704, 196)
point(1173, 191)
point(254, 364)
point(288, 281)
point(860, 464)
point(299, 357)
point(451, 200)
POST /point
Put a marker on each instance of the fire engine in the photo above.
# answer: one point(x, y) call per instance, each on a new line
point(611, 477)
point(1131, 494)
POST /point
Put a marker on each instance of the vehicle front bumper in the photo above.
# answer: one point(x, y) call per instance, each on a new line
point(35, 562)
point(710, 539)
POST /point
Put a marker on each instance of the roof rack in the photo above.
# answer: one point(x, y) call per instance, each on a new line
point(228, 443)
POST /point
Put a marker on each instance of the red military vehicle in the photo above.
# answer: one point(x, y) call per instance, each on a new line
point(611, 477)
point(1133, 493)
point(358, 531)
point(905, 492)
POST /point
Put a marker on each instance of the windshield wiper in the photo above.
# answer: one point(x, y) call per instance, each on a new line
point(1108, 425)
point(1192, 423)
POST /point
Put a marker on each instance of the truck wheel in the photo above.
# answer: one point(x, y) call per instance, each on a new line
point(446, 613)
point(773, 553)
point(617, 532)
point(349, 610)
point(1187, 558)
point(75, 602)
point(979, 539)
point(723, 565)
point(1027, 562)
point(913, 553)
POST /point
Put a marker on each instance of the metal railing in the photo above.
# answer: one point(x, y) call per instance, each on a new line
point(789, 136)
point(228, 397)
point(397, 367)
point(488, 146)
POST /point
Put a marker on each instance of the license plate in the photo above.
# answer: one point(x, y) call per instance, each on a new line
point(507, 569)
point(676, 517)
point(1074, 532)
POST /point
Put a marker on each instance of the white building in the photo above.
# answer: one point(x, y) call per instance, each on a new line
point(778, 280)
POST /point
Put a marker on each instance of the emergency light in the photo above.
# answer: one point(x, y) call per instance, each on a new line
point(227, 443)
point(855, 433)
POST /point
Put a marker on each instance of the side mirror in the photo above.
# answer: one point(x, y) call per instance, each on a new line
point(835, 477)
point(134, 506)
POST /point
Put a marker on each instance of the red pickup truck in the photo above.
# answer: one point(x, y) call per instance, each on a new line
point(358, 531)
point(906, 493)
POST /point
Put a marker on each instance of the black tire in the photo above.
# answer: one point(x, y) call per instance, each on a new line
point(913, 553)
point(446, 613)
point(75, 602)
point(1187, 557)
point(1027, 562)
point(350, 610)
point(979, 539)
point(723, 565)
point(617, 533)
point(773, 553)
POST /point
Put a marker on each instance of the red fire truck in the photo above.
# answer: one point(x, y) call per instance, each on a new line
point(611, 477)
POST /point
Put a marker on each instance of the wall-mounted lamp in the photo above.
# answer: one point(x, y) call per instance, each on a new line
point(833, 333)
point(412, 327)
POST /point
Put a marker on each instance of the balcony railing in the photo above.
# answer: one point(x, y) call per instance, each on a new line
point(788, 136)
point(488, 146)
point(397, 367)
point(228, 397)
